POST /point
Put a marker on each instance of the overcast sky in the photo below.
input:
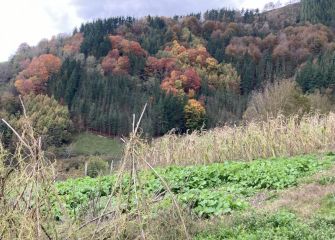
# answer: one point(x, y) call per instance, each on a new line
point(32, 20)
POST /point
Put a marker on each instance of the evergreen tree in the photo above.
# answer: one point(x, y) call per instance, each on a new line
point(319, 75)
point(318, 11)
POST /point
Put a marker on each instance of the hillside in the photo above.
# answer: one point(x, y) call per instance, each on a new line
point(285, 16)
point(193, 71)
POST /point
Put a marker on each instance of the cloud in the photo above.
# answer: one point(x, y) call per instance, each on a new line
point(88, 9)
point(30, 21)
point(62, 13)
point(255, 4)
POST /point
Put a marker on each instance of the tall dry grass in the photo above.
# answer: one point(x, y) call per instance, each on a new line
point(27, 189)
point(280, 136)
point(29, 200)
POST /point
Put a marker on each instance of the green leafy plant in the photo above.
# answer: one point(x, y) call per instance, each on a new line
point(207, 190)
point(96, 166)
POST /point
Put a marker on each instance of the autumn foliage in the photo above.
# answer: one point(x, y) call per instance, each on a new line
point(241, 46)
point(182, 82)
point(290, 44)
point(114, 63)
point(192, 65)
point(117, 60)
point(127, 47)
point(73, 44)
point(195, 57)
point(36, 75)
point(195, 114)
point(180, 66)
point(160, 67)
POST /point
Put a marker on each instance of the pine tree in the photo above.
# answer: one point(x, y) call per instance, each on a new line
point(318, 11)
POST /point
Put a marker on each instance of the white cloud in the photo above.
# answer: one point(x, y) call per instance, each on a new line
point(89, 9)
point(30, 21)
point(254, 4)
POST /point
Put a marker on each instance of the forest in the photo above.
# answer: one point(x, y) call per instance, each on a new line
point(197, 71)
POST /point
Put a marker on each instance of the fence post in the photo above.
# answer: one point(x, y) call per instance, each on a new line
point(86, 166)
point(111, 168)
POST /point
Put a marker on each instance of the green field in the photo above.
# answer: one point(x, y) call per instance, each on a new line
point(210, 190)
point(92, 144)
point(219, 197)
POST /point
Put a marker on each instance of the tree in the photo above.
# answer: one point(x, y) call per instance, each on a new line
point(73, 44)
point(6, 72)
point(50, 120)
point(193, 65)
point(114, 63)
point(34, 78)
point(126, 57)
point(182, 82)
point(125, 46)
point(195, 115)
point(9, 110)
point(318, 11)
point(317, 74)
point(160, 67)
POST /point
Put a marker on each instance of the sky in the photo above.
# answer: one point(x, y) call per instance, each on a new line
point(29, 21)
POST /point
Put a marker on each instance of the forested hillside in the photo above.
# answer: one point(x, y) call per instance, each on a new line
point(195, 71)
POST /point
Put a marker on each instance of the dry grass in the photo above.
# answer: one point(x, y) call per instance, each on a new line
point(27, 187)
point(28, 198)
point(265, 139)
point(305, 199)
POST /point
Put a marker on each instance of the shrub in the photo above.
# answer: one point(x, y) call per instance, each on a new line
point(96, 166)
point(281, 97)
point(50, 119)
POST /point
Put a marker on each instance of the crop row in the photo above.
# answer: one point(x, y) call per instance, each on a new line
point(207, 190)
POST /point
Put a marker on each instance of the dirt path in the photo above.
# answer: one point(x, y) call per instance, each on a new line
point(305, 199)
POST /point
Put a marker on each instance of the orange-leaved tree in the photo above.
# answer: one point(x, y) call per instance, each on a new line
point(73, 44)
point(114, 63)
point(34, 78)
point(181, 82)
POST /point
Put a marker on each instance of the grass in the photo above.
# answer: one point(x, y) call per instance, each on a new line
point(72, 158)
point(327, 209)
point(276, 137)
point(92, 144)
point(280, 225)
point(283, 223)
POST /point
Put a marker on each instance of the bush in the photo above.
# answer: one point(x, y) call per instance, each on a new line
point(96, 166)
point(281, 97)
point(50, 120)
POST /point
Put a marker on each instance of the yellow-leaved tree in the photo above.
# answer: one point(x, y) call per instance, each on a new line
point(195, 115)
